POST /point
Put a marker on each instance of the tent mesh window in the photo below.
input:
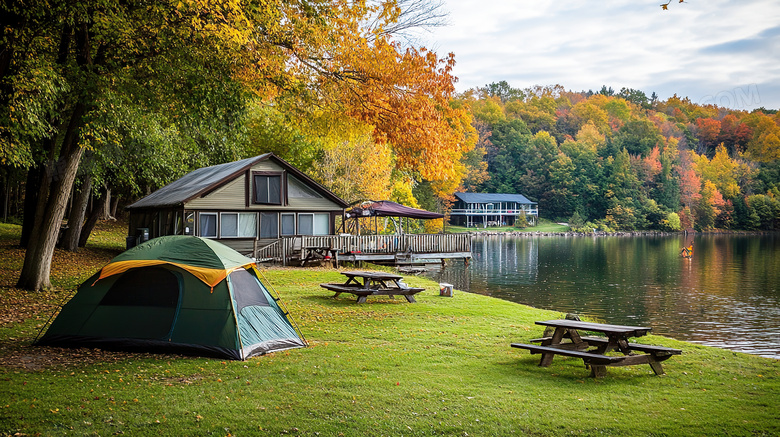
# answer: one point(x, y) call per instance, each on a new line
point(246, 290)
point(152, 287)
point(141, 304)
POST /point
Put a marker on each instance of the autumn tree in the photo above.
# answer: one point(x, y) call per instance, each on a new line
point(708, 133)
point(188, 70)
point(405, 94)
point(734, 134)
point(350, 158)
point(92, 56)
point(765, 144)
point(709, 206)
point(726, 173)
point(538, 113)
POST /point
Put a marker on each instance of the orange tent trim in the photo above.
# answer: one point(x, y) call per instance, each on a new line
point(210, 277)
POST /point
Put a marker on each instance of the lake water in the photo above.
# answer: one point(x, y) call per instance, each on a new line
point(727, 295)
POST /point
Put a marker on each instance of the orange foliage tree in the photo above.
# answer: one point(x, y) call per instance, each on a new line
point(344, 60)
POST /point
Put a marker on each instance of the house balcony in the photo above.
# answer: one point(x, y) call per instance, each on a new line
point(495, 211)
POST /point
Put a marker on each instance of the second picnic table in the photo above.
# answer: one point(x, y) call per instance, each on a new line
point(364, 284)
point(615, 339)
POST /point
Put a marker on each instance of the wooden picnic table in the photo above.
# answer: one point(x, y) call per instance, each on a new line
point(363, 284)
point(319, 253)
point(615, 338)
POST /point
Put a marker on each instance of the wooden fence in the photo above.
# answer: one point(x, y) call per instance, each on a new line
point(288, 248)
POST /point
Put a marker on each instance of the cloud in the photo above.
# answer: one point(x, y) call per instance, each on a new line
point(693, 49)
point(764, 43)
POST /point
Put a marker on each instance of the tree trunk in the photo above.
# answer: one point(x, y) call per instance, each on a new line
point(32, 193)
point(70, 241)
point(6, 195)
point(106, 205)
point(56, 183)
point(48, 218)
point(95, 214)
point(114, 206)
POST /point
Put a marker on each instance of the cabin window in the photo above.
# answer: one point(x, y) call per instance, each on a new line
point(269, 225)
point(208, 224)
point(189, 223)
point(313, 224)
point(268, 189)
point(238, 225)
point(288, 224)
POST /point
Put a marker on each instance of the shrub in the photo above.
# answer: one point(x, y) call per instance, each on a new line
point(671, 222)
point(521, 222)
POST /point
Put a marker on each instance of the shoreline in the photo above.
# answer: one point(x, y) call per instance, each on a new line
point(615, 234)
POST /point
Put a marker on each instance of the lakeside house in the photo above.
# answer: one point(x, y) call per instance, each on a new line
point(243, 204)
point(491, 209)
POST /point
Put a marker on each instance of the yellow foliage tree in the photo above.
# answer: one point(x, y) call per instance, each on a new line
point(765, 144)
point(352, 164)
point(723, 171)
point(588, 112)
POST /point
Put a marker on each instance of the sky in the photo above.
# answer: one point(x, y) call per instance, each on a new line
point(723, 52)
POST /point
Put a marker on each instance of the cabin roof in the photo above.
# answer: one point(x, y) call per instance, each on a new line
point(204, 180)
point(493, 197)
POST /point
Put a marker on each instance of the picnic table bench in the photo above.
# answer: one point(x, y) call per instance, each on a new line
point(364, 284)
point(615, 339)
point(319, 254)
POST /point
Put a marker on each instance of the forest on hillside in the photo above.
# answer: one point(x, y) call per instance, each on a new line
point(624, 161)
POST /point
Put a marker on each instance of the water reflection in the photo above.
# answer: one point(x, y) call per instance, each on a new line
point(727, 295)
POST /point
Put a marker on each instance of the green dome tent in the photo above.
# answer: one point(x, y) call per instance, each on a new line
point(176, 294)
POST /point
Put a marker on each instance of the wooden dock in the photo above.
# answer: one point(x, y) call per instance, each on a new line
point(403, 249)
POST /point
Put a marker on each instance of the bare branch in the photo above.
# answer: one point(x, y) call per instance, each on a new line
point(414, 16)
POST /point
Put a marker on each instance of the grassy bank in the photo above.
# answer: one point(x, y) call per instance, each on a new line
point(442, 366)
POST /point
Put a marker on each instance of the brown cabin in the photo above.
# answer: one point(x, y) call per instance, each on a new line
point(242, 204)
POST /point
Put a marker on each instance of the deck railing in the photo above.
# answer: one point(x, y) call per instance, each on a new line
point(494, 211)
point(289, 247)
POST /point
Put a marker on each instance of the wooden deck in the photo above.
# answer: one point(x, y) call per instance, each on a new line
point(390, 249)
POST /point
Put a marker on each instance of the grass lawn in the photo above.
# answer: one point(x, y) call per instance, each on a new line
point(441, 366)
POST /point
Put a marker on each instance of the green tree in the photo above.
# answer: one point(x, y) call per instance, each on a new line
point(506, 156)
point(636, 97)
point(638, 137)
point(95, 58)
point(622, 179)
point(503, 91)
point(561, 201)
point(621, 218)
point(671, 223)
point(576, 221)
point(763, 211)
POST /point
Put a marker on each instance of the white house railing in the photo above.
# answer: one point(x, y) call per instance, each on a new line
point(494, 211)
